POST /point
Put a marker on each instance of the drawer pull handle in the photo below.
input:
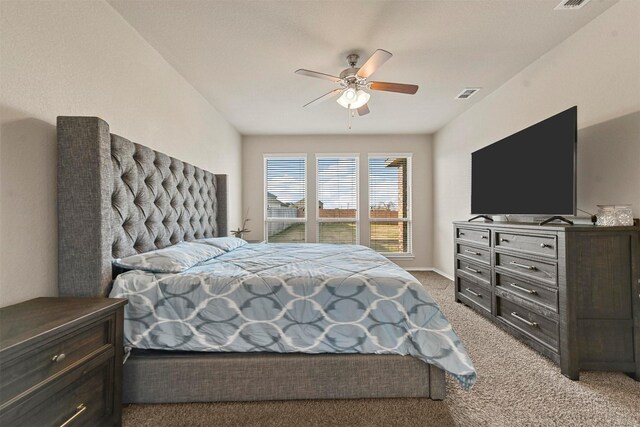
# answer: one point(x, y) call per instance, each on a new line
point(475, 294)
point(79, 410)
point(526, 267)
point(544, 245)
point(529, 291)
point(523, 320)
point(58, 357)
point(473, 270)
point(483, 237)
point(503, 240)
point(472, 252)
point(461, 233)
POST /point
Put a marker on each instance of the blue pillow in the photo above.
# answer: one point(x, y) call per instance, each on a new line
point(172, 259)
point(225, 243)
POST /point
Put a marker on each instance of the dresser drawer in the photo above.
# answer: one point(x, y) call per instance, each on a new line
point(83, 397)
point(533, 244)
point(30, 369)
point(475, 235)
point(546, 272)
point(529, 323)
point(477, 273)
point(474, 293)
point(541, 295)
point(475, 253)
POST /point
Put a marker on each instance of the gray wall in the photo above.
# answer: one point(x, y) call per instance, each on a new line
point(609, 163)
point(597, 69)
point(83, 58)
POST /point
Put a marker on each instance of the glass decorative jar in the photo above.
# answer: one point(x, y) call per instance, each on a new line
point(624, 215)
point(606, 215)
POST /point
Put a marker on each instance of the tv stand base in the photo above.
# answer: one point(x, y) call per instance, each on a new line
point(553, 218)
point(486, 217)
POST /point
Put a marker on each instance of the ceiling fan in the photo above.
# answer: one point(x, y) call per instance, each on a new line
point(354, 83)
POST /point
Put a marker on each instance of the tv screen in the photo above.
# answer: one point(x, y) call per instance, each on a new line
point(532, 172)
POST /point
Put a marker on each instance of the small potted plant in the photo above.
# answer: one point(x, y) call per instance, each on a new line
point(240, 231)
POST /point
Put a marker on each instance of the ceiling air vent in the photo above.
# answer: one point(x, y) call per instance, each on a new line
point(467, 93)
point(571, 4)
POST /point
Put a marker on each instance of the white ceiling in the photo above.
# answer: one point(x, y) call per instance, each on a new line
point(241, 55)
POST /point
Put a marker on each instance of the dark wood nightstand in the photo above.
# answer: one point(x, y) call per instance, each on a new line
point(61, 362)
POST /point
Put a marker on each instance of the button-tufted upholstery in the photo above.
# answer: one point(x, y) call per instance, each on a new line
point(117, 198)
point(157, 201)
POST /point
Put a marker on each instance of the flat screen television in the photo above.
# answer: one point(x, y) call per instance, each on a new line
point(532, 172)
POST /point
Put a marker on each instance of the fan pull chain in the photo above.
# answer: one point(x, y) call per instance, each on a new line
point(349, 113)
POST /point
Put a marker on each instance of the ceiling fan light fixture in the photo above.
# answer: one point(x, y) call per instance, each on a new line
point(353, 80)
point(363, 98)
point(348, 96)
point(353, 99)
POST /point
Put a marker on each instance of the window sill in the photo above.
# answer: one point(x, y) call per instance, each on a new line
point(399, 256)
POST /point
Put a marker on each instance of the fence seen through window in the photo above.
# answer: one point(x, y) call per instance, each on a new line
point(286, 199)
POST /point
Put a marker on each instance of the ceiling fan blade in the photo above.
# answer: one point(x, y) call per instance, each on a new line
point(326, 95)
point(363, 110)
point(394, 87)
point(374, 62)
point(317, 75)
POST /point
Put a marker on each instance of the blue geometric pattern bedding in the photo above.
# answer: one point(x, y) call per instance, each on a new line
point(310, 298)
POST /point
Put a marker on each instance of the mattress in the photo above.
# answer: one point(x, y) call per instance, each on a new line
point(308, 298)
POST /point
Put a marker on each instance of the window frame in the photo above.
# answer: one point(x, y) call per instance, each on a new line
point(409, 218)
point(319, 220)
point(265, 193)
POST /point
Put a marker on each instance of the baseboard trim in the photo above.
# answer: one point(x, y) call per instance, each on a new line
point(435, 270)
point(443, 274)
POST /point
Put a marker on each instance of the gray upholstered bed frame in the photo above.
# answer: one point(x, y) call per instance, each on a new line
point(117, 198)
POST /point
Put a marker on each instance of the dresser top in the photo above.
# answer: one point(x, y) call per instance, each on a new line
point(550, 227)
point(40, 316)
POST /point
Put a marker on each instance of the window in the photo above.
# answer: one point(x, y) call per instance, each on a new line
point(285, 199)
point(390, 204)
point(337, 201)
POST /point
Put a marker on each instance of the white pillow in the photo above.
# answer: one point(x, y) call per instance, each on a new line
point(172, 259)
point(225, 243)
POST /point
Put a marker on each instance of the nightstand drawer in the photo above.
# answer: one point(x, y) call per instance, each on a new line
point(83, 397)
point(31, 368)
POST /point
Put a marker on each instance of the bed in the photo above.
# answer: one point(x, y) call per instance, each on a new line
point(117, 199)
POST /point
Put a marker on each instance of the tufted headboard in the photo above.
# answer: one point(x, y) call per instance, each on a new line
point(117, 198)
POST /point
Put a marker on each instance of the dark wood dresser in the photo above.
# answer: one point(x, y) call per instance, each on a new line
point(570, 292)
point(61, 362)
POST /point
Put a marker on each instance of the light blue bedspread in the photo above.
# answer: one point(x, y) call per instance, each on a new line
point(310, 298)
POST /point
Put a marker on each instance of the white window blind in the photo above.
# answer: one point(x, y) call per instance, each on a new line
point(285, 199)
point(390, 204)
point(337, 201)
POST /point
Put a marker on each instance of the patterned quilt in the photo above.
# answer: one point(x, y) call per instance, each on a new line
point(310, 298)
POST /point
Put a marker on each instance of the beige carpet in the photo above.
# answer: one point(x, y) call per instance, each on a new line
point(516, 387)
